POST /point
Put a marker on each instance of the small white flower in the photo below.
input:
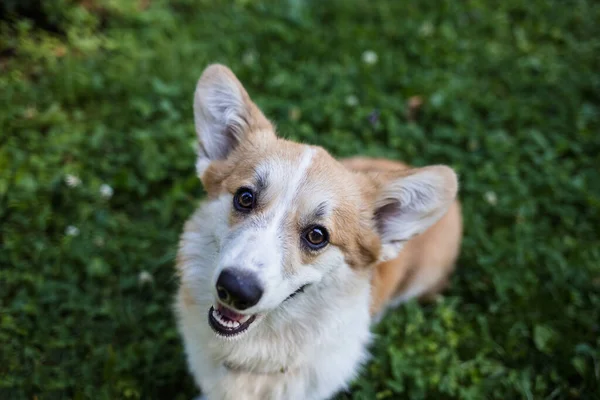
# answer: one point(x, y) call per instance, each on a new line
point(295, 113)
point(426, 29)
point(145, 277)
point(30, 112)
point(351, 100)
point(72, 230)
point(99, 241)
point(249, 57)
point(473, 144)
point(72, 180)
point(106, 191)
point(491, 198)
point(369, 57)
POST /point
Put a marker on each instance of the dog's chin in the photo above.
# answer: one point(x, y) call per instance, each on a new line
point(231, 325)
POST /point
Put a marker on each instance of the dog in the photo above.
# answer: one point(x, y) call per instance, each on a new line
point(293, 255)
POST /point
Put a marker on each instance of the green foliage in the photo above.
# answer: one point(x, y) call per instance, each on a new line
point(511, 100)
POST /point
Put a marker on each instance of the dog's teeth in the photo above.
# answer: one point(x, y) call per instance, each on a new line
point(226, 322)
point(219, 318)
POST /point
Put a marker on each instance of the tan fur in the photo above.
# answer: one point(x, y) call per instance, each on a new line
point(427, 259)
point(350, 225)
point(186, 297)
point(352, 228)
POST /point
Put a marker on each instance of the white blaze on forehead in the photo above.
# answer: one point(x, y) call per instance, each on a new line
point(292, 184)
point(284, 177)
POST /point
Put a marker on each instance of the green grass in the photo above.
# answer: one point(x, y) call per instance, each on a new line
point(511, 96)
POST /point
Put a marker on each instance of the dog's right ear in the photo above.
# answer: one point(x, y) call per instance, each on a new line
point(409, 202)
point(224, 115)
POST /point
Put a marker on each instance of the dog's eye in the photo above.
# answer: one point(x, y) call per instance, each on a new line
point(316, 237)
point(244, 200)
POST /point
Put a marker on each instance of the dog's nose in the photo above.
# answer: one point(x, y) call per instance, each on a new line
point(238, 289)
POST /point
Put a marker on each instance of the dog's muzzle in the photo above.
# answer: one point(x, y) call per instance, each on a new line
point(230, 324)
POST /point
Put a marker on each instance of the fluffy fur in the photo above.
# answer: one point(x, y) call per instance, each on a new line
point(394, 234)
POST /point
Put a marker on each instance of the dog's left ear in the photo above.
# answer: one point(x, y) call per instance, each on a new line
point(224, 115)
point(410, 202)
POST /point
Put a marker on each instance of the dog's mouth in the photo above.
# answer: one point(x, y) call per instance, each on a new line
point(230, 324)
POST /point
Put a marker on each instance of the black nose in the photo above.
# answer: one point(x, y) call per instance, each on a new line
point(239, 289)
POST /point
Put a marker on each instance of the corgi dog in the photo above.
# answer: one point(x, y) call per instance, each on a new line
point(293, 255)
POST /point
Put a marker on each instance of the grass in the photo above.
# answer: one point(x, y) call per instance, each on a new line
point(102, 92)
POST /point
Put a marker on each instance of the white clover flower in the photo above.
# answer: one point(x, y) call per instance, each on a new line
point(99, 241)
point(473, 144)
point(352, 100)
point(106, 191)
point(30, 112)
point(145, 277)
point(426, 29)
point(294, 113)
point(72, 230)
point(72, 180)
point(491, 198)
point(369, 57)
point(249, 57)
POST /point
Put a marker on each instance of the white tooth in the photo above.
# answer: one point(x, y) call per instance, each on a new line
point(236, 324)
point(246, 318)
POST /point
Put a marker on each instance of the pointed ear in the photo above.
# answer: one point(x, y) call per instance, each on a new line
point(411, 202)
point(224, 115)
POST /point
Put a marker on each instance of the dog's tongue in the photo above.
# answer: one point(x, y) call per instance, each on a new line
point(229, 314)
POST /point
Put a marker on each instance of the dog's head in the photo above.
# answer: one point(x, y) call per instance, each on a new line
point(294, 214)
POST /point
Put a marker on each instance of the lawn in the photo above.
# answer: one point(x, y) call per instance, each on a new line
point(97, 178)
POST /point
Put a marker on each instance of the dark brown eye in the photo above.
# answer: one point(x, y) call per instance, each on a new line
point(316, 237)
point(243, 200)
